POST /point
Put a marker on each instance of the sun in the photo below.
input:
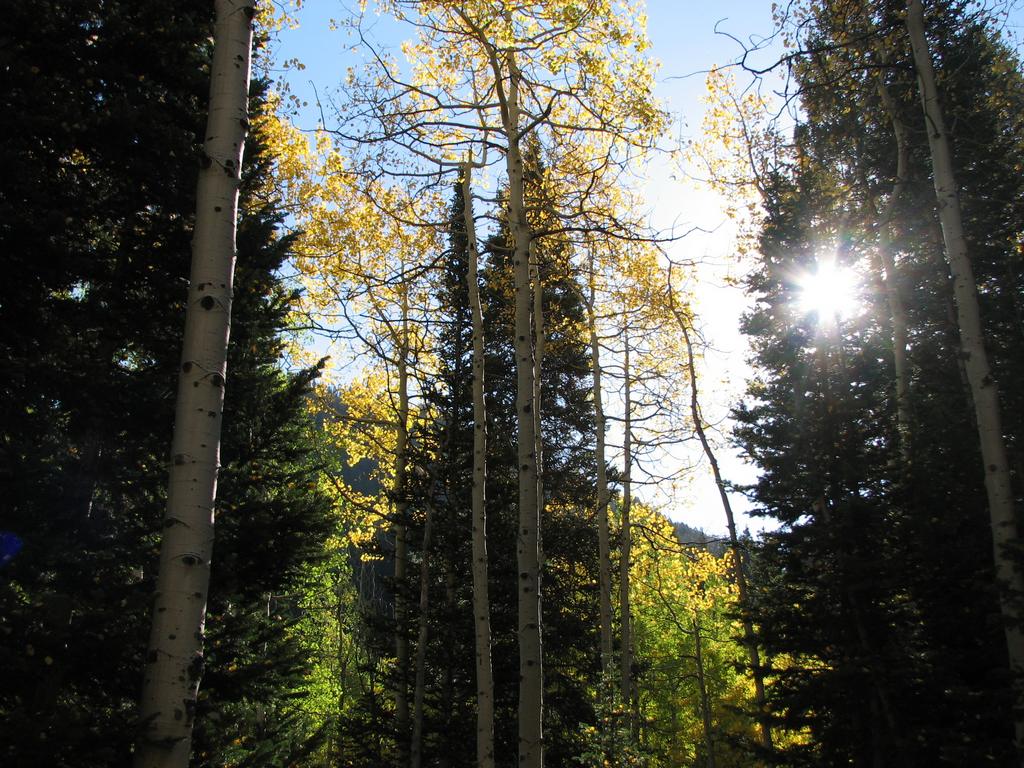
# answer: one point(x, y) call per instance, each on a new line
point(829, 291)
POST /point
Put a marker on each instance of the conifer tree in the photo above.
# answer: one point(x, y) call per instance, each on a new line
point(85, 446)
point(901, 553)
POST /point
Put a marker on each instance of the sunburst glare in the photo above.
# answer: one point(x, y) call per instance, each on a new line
point(830, 291)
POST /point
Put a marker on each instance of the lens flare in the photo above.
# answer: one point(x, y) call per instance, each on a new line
point(830, 291)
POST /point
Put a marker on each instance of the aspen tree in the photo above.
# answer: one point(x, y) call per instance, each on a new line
point(174, 661)
point(983, 387)
point(603, 539)
point(481, 599)
point(531, 654)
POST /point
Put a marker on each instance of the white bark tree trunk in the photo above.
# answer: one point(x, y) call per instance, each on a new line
point(603, 538)
point(982, 384)
point(174, 661)
point(531, 674)
point(481, 597)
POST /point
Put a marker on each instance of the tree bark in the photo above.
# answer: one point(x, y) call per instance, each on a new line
point(983, 386)
point(603, 538)
point(531, 676)
point(481, 597)
point(174, 661)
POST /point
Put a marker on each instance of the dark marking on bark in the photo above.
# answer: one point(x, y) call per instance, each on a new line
point(186, 366)
point(207, 302)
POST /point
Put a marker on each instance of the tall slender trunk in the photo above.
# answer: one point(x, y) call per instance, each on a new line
point(174, 661)
point(749, 639)
point(626, 544)
point(705, 701)
point(402, 545)
point(897, 311)
point(481, 598)
point(531, 675)
point(984, 390)
point(420, 685)
point(603, 539)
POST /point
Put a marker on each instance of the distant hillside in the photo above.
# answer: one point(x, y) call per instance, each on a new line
point(696, 537)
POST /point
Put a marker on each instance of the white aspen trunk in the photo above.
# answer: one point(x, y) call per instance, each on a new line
point(481, 597)
point(897, 311)
point(626, 544)
point(531, 674)
point(983, 386)
point(419, 689)
point(603, 538)
point(174, 661)
point(749, 640)
point(402, 545)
